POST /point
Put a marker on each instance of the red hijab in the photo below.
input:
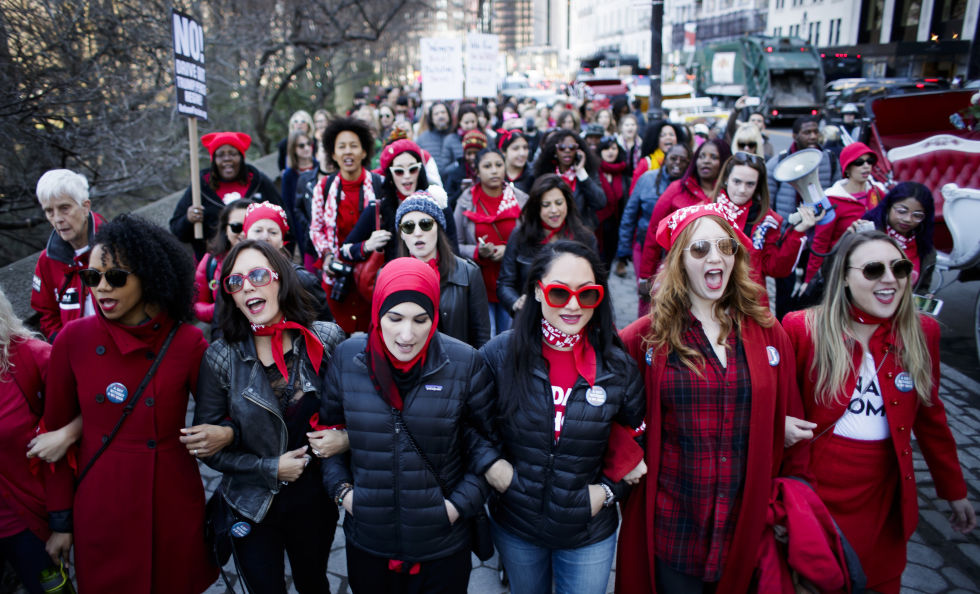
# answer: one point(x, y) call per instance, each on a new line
point(401, 280)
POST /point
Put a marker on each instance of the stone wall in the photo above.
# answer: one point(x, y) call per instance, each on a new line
point(16, 277)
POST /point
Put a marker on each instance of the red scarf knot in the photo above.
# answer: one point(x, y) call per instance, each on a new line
point(585, 361)
point(314, 348)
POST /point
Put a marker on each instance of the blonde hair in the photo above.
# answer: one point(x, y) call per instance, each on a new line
point(670, 303)
point(749, 133)
point(829, 325)
point(11, 329)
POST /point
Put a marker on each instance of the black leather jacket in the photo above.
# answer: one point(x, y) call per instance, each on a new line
point(398, 507)
point(464, 312)
point(548, 501)
point(232, 389)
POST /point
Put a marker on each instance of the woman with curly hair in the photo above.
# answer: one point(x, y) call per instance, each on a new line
point(868, 366)
point(657, 140)
point(338, 201)
point(566, 155)
point(719, 376)
point(139, 493)
point(265, 376)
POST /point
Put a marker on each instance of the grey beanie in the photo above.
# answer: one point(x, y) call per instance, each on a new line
point(420, 201)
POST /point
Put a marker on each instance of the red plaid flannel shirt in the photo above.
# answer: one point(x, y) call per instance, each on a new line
point(702, 457)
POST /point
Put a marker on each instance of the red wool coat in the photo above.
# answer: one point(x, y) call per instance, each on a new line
point(774, 395)
point(903, 411)
point(139, 513)
point(21, 403)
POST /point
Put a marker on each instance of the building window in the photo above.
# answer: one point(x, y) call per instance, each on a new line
point(816, 34)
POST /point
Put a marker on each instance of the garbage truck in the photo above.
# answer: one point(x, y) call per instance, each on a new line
point(784, 73)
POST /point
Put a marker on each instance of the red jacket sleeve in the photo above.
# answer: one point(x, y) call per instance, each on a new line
point(204, 298)
point(932, 431)
point(642, 167)
point(650, 258)
point(42, 299)
point(778, 260)
point(60, 407)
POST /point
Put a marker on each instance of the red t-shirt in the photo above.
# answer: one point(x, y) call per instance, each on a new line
point(563, 375)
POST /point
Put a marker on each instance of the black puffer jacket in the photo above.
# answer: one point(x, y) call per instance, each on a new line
point(232, 389)
point(464, 312)
point(548, 502)
point(399, 510)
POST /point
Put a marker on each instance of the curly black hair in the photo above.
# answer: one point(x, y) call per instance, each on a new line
point(651, 140)
point(547, 161)
point(363, 131)
point(156, 257)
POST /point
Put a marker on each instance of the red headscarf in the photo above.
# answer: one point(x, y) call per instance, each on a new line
point(400, 276)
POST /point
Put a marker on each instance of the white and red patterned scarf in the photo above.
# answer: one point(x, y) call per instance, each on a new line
point(569, 176)
point(734, 213)
point(556, 337)
point(323, 223)
point(902, 240)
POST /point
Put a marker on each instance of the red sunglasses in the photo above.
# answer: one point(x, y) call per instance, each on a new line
point(589, 296)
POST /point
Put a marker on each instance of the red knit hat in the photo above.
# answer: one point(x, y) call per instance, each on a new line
point(474, 139)
point(265, 210)
point(853, 152)
point(396, 148)
point(671, 227)
point(216, 140)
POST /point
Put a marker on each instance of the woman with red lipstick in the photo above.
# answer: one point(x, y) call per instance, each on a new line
point(565, 154)
point(851, 197)
point(142, 497)
point(563, 381)
point(549, 215)
point(486, 215)
point(338, 202)
point(695, 187)
point(264, 379)
point(417, 407)
point(906, 214)
point(720, 379)
point(868, 367)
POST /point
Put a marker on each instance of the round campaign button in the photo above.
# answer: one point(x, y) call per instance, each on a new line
point(596, 396)
point(773, 354)
point(240, 529)
point(903, 382)
point(116, 392)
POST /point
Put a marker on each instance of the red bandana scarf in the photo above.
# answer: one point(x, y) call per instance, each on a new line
point(585, 362)
point(568, 176)
point(314, 348)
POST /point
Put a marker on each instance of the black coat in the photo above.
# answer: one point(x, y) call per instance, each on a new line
point(548, 501)
point(232, 390)
point(464, 311)
point(260, 189)
point(399, 509)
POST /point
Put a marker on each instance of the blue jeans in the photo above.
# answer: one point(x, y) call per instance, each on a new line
point(499, 319)
point(531, 568)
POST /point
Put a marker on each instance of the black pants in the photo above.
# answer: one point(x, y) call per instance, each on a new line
point(299, 522)
point(368, 574)
point(671, 580)
point(26, 554)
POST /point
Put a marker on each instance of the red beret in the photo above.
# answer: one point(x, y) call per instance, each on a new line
point(216, 140)
point(396, 148)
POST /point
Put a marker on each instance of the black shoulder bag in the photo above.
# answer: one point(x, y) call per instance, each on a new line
point(481, 542)
point(132, 402)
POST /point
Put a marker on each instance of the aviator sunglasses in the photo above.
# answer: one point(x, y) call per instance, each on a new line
point(589, 296)
point(727, 246)
point(116, 277)
point(259, 277)
point(874, 270)
point(408, 227)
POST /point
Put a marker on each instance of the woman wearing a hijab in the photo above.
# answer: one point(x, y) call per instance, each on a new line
point(416, 405)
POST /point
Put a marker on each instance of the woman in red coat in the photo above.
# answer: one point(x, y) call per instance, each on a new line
point(870, 380)
point(137, 516)
point(719, 377)
point(23, 518)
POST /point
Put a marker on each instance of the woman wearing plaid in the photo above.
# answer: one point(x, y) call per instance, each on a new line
point(720, 378)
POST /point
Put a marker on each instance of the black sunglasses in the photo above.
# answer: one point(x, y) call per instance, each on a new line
point(747, 145)
point(863, 160)
point(116, 277)
point(874, 270)
point(566, 147)
point(236, 227)
point(408, 227)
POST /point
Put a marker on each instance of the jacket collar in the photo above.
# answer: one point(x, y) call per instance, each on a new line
point(129, 339)
point(459, 276)
point(60, 250)
point(246, 352)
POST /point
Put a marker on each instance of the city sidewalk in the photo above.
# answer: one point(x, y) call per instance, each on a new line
point(939, 560)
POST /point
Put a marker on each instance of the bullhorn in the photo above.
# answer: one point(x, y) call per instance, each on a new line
point(800, 171)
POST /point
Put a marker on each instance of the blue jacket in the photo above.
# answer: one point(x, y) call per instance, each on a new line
point(639, 209)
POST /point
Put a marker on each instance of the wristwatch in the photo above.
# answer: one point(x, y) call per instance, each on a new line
point(610, 496)
point(342, 492)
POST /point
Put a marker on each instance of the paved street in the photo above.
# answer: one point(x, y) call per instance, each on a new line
point(939, 560)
